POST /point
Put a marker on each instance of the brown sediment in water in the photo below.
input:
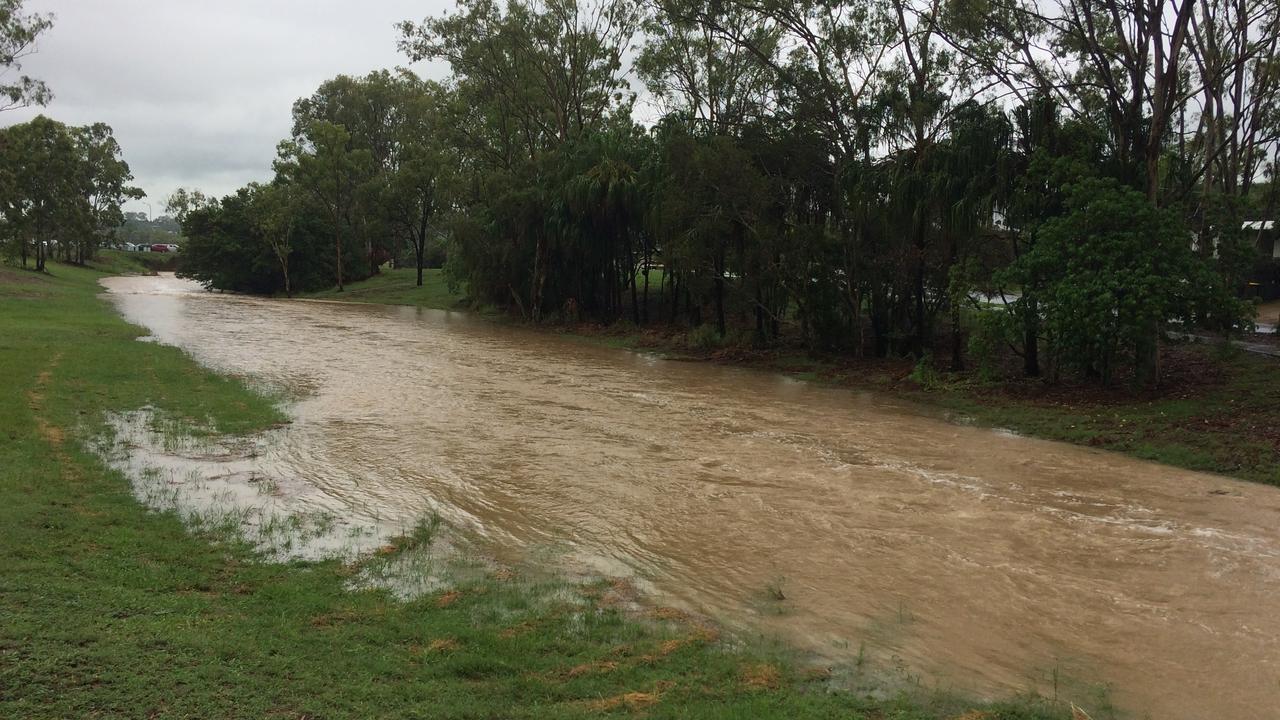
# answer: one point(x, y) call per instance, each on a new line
point(850, 524)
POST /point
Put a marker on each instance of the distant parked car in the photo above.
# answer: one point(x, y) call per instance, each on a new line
point(159, 247)
point(128, 247)
point(172, 247)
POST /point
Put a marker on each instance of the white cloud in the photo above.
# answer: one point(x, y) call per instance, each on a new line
point(199, 93)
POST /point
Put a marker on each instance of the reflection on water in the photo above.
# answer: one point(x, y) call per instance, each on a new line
point(964, 557)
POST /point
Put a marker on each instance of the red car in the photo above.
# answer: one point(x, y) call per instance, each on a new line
point(159, 247)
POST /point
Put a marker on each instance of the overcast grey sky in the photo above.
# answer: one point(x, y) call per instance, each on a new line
point(199, 93)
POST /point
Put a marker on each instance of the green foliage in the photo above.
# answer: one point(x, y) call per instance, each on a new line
point(247, 241)
point(63, 190)
point(18, 33)
point(991, 330)
point(138, 230)
point(182, 202)
point(925, 373)
point(705, 338)
point(1113, 272)
point(846, 175)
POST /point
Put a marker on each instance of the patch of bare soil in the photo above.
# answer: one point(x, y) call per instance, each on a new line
point(51, 433)
point(762, 676)
point(16, 276)
point(441, 645)
point(22, 284)
point(1265, 339)
point(631, 701)
point(1185, 371)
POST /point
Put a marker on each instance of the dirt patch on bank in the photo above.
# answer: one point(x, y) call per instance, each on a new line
point(52, 434)
point(22, 284)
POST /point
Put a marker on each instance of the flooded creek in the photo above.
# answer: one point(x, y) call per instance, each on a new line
point(848, 524)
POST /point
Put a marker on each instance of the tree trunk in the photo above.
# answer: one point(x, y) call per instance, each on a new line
point(675, 296)
point(1031, 354)
point(646, 290)
point(635, 305)
point(539, 274)
point(337, 246)
point(1147, 357)
point(957, 357)
point(761, 333)
point(720, 328)
point(921, 340)
point(39, 236)
point(1031, 340)
point(420, 246)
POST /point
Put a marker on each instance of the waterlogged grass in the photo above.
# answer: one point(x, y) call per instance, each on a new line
point(112, 610)
point(122, 262)
point(1215, 411)
point(1220, 414)
point(399, 287)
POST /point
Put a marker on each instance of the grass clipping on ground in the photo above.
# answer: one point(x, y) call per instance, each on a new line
point(115, 609)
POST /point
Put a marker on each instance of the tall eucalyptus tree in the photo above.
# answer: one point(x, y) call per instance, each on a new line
point(533, 76)
point(325, 163)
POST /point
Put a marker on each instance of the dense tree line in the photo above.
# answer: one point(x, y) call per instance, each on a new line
point(358, 184)
point(138, 229)
point(61, 191)
point(863, 176)
point(61, 187)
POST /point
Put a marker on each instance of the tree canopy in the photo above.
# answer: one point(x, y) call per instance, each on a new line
point(860, 176)
point(63, 188)
point(18, 33)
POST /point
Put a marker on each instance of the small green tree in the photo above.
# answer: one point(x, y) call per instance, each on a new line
point(43, 196)
point(412, 194)
point(1117, 271)
point(274, 211)
point(104, 177)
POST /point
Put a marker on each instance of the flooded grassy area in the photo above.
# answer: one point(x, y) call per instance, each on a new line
point(116, 610)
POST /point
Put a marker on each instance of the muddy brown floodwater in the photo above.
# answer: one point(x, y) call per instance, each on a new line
point(942, 554)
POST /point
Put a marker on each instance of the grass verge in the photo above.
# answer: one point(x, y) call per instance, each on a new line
point(121, 262)
point(110, 610)
point(398, 287)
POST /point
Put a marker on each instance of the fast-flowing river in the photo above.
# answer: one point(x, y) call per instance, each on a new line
point(948, 555)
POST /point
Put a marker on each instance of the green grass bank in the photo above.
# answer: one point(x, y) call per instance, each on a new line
point(398, 287)
point(110, 610)
point(1216, 410)
point(120, 262)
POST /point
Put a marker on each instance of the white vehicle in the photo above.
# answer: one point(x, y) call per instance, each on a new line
point(172, 248)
